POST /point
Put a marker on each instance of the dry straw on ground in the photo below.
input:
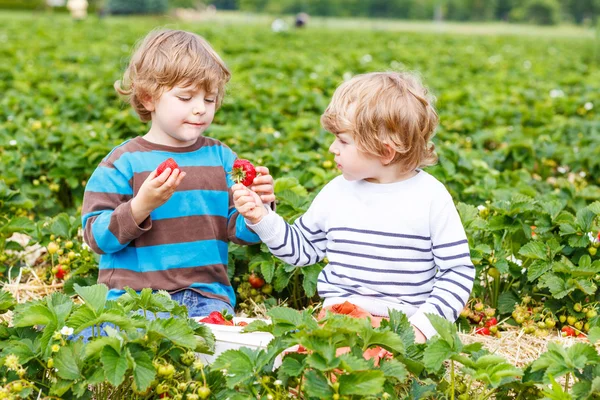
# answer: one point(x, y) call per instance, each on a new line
point(519, 348)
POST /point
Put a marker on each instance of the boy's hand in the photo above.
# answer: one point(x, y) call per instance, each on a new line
point(419, 336)
point(263, 185)
point(154, 192)
point(248, 203)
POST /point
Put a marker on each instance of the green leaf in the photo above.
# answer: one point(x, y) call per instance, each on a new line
point(316, 385)
point(95, 347)
point(282, 278)
point(18, 224)
point(291, 367)
point(115, 365)
point(311, 273)
point(386, 339)
point(594, 334)
point(363, 383)
point(445, 329)
point(535, 250)
point(586, 286)
point(284, 319)
point(436, 353)
point(7, 301)
point(585, 218)
point(537, 269)
point(65, 362)
point(143, 370)
point(94, 297)
point(394, 369)
point(238, 365)
point(507, 302)
point(595, 207)
point(30, 314)
point(60, 387)
point(399, 323)
point(175, 329)
point(60, 225)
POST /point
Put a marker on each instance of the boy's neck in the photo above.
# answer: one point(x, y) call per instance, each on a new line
point(391, 174)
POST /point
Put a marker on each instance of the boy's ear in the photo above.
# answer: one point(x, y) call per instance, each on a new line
point(147, 102)
point(389, 155)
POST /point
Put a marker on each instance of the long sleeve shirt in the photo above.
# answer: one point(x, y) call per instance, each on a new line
point(389, 246)
point(184, 242)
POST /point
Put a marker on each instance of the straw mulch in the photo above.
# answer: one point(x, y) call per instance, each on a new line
point(518, 348)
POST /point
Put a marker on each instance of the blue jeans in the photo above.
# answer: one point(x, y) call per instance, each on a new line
point(197, 305)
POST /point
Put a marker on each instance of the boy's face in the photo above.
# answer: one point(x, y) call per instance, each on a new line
point(181, 115)
point(355, 164)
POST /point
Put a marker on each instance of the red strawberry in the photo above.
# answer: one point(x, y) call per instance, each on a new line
point(216, 318)
point(568, 331)
point(483, 331)
point(243, 171)
point(60, 272)
point(491, 322)
point(168, 163)
point(256, 281)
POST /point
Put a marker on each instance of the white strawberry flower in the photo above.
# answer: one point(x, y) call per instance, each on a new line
point(66, 331)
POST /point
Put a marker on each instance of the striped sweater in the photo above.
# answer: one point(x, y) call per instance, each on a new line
point(183, 243)
point(400, 246)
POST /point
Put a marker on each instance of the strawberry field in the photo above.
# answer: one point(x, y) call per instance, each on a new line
point(518, 146)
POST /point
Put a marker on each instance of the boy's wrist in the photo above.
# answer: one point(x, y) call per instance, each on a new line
point(139, 213)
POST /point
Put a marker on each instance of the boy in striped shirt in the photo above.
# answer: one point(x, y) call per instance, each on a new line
point(390, 230)
point(171, 230)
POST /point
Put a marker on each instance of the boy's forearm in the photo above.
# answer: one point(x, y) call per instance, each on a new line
point(139, 212)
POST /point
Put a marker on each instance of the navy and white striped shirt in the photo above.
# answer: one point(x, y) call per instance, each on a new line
point(400, 245)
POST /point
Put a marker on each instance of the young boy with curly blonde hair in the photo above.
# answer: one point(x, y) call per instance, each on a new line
point(170, 230)
point(390, 230)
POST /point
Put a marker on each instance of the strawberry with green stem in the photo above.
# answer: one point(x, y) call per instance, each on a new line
point(243, 172)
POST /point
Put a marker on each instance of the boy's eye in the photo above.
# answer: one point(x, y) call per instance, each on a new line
point(184, 98)
point(209, 100)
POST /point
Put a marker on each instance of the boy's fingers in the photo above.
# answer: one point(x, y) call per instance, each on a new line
point(262, 170)
point(238, 186)
point(267, 198)
point(263, 180)
point(162, 178)
point(246, 208)
point(263, 189)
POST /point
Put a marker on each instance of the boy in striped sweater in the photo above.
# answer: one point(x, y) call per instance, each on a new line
point(390, 230)
point(170, 230)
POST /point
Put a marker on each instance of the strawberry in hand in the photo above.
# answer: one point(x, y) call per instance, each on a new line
point(243, 172)
point(168, 163)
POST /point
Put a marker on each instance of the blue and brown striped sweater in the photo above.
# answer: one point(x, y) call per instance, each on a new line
point(183, 243)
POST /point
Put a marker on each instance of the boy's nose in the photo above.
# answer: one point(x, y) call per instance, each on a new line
point(198, 110)
point(332, 149)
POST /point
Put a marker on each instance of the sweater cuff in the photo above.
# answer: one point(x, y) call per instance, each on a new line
point(420, 320)
point(266, 228)
point(127, 229)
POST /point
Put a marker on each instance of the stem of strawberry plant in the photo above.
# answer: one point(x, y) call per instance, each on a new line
point(567, 382)
point(452, 378)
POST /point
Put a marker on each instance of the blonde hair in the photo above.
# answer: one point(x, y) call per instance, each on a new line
point(386, 108)
point(167, 58)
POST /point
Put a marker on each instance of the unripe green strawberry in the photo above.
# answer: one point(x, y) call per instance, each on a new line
point(591, 314)
point(571, 320)
point(577, 307)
